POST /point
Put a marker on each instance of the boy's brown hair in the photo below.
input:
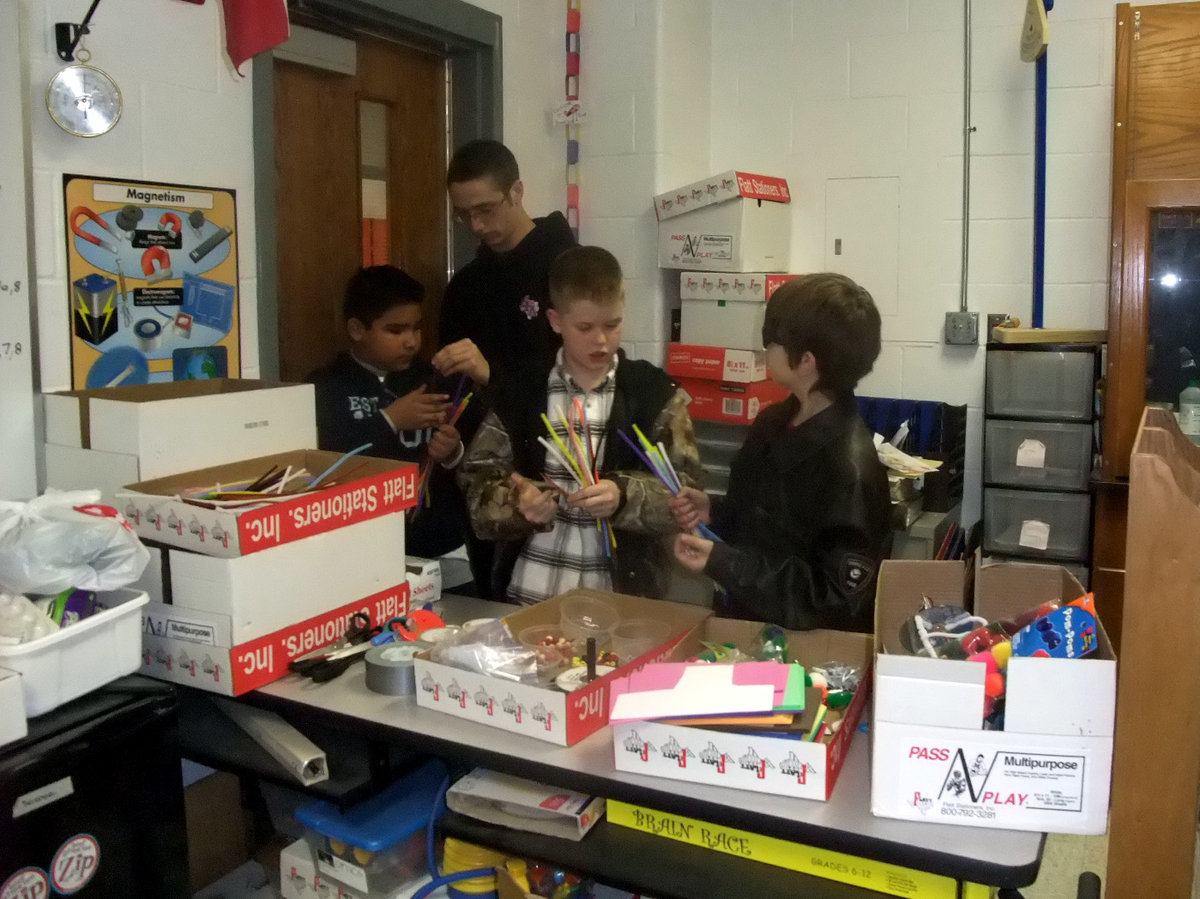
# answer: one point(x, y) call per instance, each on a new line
point(833, 318)
point(585, 273)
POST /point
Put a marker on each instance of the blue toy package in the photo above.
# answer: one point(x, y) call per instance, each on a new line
point(378, 844)
point(1066, 633)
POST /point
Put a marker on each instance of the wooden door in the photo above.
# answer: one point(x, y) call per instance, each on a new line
point(1156, 138)
point(318, 199)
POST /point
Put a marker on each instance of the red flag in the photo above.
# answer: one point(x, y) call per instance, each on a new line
point(252, 26)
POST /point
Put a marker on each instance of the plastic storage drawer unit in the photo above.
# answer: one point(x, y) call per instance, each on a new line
point(1047, 455)
point(1050, 384)
point(1036, 524)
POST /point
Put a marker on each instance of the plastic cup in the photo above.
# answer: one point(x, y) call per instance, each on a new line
point(634, 636)
point(582, 617)
point(551, 659)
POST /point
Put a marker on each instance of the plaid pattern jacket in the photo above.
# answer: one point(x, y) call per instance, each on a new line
point(507, 442)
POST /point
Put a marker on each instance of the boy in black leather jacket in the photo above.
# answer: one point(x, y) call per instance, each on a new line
point(805, 522)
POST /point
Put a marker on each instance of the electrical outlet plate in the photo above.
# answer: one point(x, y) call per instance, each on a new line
point(962, 328)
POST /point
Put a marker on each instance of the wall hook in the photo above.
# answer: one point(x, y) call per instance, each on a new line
point(67, 35)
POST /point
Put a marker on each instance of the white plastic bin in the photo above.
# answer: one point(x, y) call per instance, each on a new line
point(81, 657)
point(1049, 455)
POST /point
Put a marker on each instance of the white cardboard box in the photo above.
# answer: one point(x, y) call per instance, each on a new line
point(197, 648)
point(779, 765)
point(1049, 770)
point(731, 222)
point(369, 488)
point(524, 804)
point(111, 436)
point(424, 580)
point(269, 590)
point(544, 712)
point(725, 310)
point(715, 363)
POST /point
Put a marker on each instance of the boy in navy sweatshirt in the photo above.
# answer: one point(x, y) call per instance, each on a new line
point(381, 392)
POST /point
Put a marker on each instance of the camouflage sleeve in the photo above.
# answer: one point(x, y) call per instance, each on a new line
point(645, 509)
point(483, 477)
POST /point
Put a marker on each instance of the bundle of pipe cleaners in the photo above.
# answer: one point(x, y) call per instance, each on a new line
point(458, 403)
point(654, 457)
point(579, 459)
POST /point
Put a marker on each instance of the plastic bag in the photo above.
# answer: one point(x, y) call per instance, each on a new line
point(66, 539)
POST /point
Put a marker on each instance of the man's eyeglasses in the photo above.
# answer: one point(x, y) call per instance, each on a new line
point(481, 211)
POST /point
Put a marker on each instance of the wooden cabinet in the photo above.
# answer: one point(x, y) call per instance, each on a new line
point(1154, 310)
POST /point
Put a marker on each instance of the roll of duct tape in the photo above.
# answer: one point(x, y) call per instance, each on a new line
point(390, 668)
point(148, 333)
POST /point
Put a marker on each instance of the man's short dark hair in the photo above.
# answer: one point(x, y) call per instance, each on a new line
point(830, 316)
point(372, 292)
point(584, 273)
point(483, 159)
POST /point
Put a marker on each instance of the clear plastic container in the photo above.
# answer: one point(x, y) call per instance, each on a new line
point(554, 651)
point(1050, 455)
point(1035, 524)
point(635, 636)
point(1040, 384)
point(379, 844)
point(582, 617)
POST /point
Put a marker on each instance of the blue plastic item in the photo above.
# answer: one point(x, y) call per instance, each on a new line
point(378, 823)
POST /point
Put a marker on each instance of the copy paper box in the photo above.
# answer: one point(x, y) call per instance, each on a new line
point(731, 222)
point(545, 712)
point(735, 403)
point(715, 363)
point(726, 310)
point(766, 764)
point(146, 431)
point(1048, 770)
point(266, 591)
point(424, 580)
point(197, 648)
point(524, 804)
point(363, 488)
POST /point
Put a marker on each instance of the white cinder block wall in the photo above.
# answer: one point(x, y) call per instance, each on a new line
point(187, 120)
point(846, 98)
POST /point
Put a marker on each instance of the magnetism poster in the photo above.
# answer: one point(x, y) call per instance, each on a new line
point(153, 278)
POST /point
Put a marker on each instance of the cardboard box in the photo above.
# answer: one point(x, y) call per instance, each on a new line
point(1048, 770)
point(779, 765)
point(714, 363)
point(545, 712)
point(266, 591)
point(524, 804)
point(737, 404)
point(424, 580)
point(726, 310)
point(112, 436)
point(368, 488)
point(731, 222)
point(13, 725)
point(197, 648)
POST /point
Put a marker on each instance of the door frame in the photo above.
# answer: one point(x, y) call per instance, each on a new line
point(471, 40)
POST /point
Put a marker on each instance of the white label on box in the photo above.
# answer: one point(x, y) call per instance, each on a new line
point(191, 633)
point(1034, 534)
point(705, 246)
point(35, 799)
point(342, 870)
point(980, 782)
point(1031, 454)
point(732, 407)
